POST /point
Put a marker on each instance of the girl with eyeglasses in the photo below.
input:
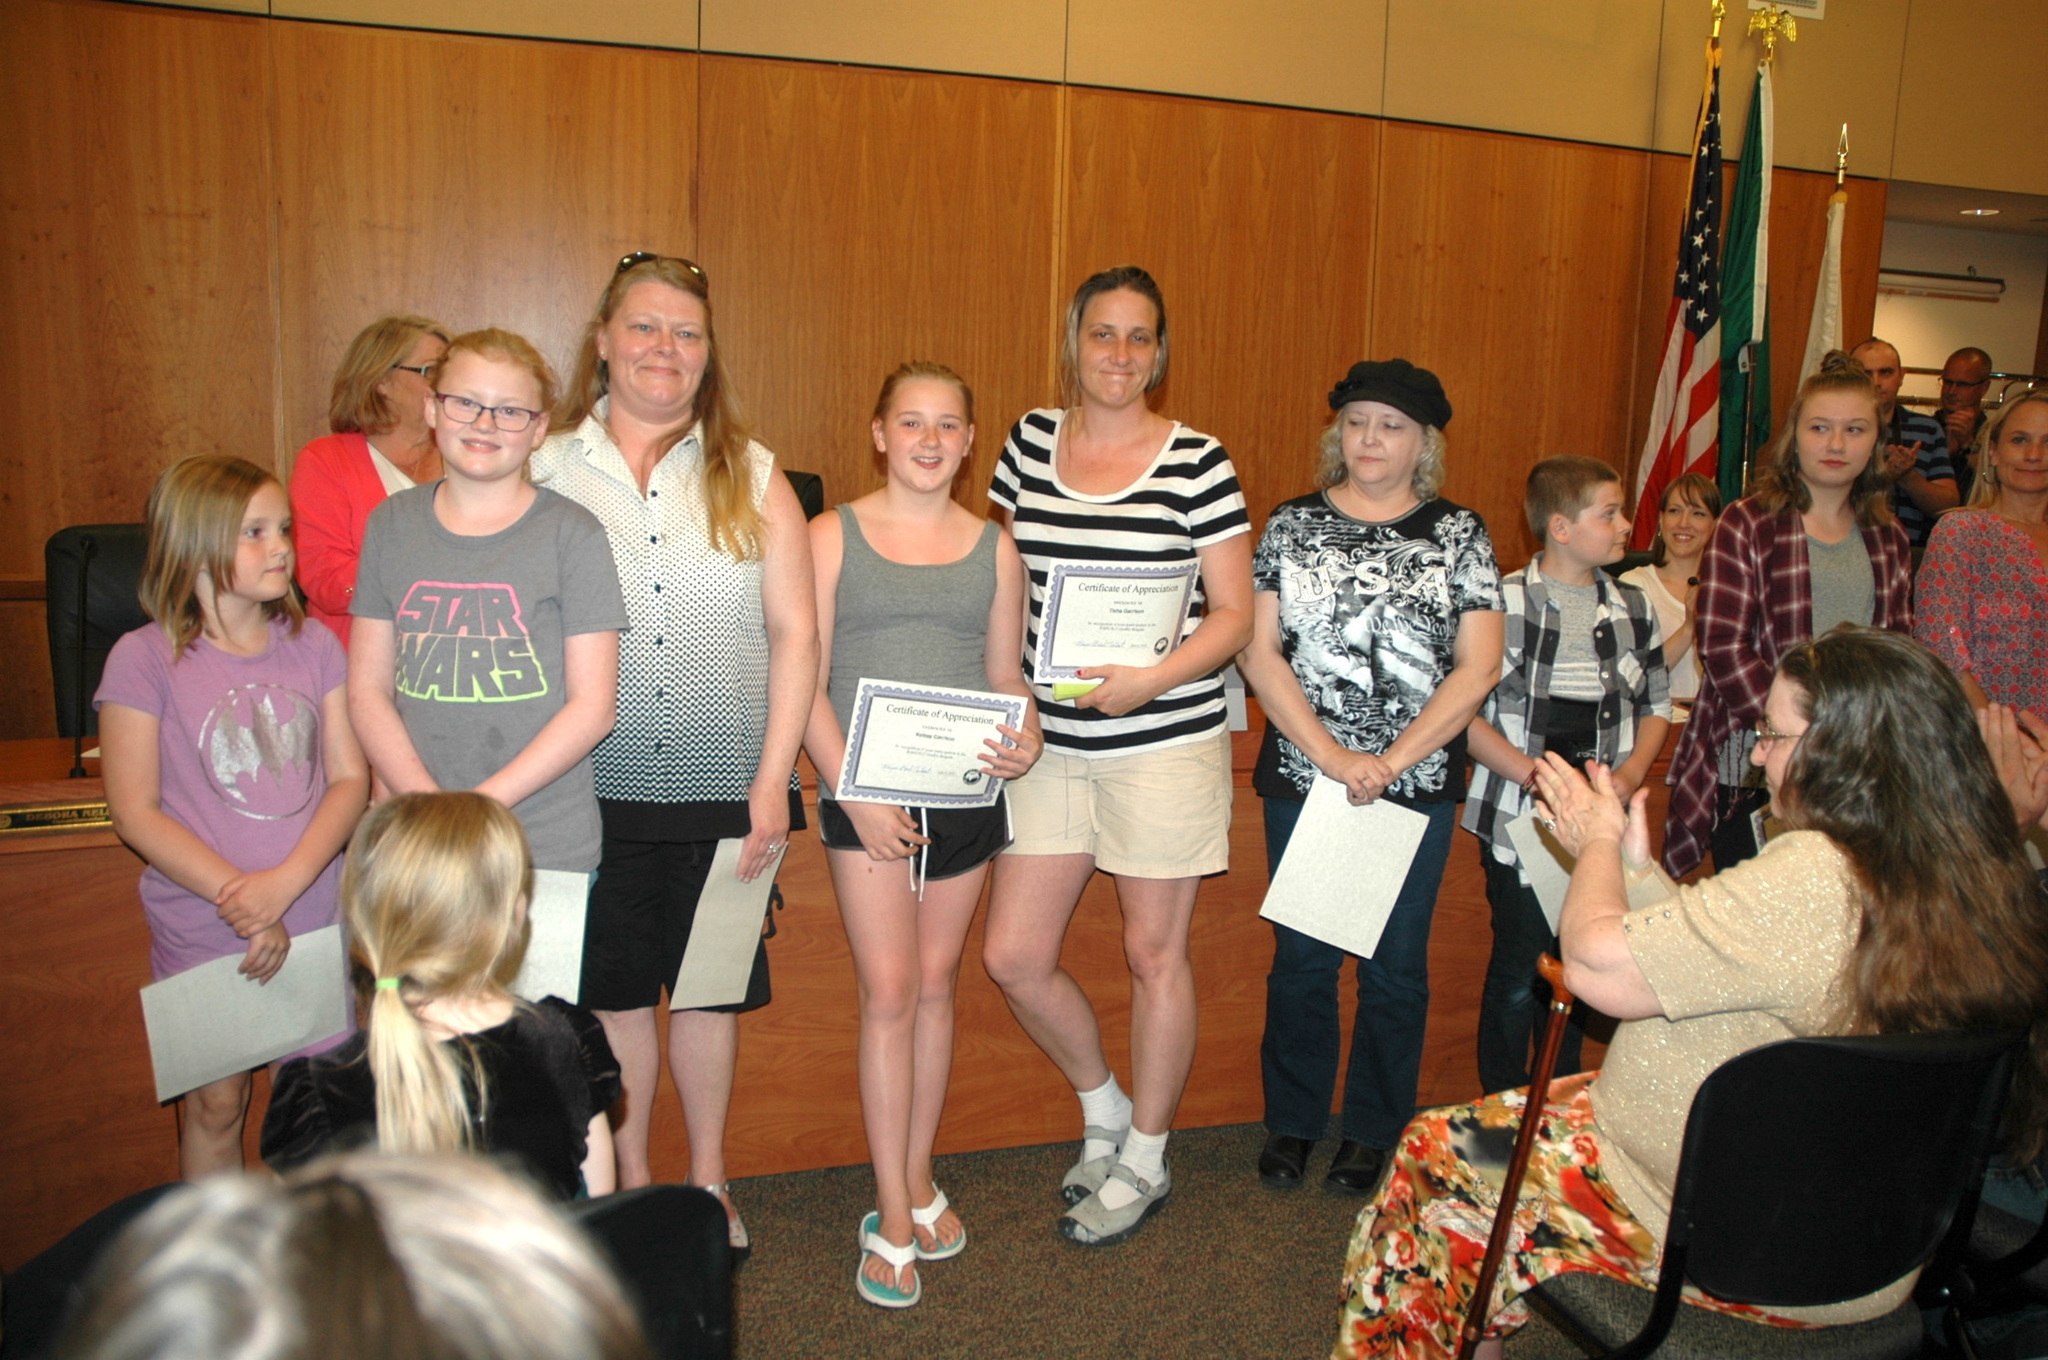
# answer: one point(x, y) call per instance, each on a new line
point(487, 614)
point(1812, 545)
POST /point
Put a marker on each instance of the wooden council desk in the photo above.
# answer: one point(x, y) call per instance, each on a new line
point(83, 1127)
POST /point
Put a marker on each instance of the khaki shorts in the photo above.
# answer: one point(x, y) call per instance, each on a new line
point(1157, 814)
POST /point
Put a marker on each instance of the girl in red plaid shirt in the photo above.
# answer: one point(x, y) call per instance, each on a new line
point(1814, 544)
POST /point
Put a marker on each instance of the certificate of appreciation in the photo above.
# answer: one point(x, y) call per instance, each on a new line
point(1111, 614)
point(921, 745)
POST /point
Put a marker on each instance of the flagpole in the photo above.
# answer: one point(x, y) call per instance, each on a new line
point(1771, 23)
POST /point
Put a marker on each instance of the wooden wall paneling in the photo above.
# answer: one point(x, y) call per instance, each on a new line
point(1799, 206)
point(1257, 222)
point(855, 219)
point(1511, 268)
point(1317, 54)
point(134, 214)
point(481, 181)
point(1024, 39)
point(30, 710)
point(83, 1126)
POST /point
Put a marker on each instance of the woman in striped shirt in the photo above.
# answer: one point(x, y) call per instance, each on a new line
point(1135, 779)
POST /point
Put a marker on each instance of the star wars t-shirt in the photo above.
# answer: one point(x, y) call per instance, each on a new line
point(479, 623)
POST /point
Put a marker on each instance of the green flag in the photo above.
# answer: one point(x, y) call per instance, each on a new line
point(1745, 286)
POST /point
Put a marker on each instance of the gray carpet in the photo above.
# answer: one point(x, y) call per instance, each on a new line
point(1226, 1268)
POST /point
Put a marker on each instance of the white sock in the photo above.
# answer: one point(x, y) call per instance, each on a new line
point(1145, 1155)
point(1106, 1107)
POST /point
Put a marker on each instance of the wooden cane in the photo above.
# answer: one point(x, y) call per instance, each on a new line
point(1518, 1164)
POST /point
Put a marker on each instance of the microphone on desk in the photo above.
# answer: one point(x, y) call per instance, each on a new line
point(87, 547)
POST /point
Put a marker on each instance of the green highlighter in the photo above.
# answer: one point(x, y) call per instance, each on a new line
point(1072, 689)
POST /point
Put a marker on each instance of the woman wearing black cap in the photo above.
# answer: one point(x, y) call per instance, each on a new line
point(1376, 634)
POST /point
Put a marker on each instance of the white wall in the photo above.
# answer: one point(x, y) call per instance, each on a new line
point(1928, 330)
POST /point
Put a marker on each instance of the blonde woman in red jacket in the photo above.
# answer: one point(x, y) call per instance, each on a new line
point(380, 445)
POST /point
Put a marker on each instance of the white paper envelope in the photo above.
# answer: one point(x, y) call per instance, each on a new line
point(211, 1022)
point(727, 931)
point(1343, 868)
point(1545, 863)
point(554, 949)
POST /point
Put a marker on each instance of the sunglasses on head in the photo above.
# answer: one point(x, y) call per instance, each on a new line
point(639, 257)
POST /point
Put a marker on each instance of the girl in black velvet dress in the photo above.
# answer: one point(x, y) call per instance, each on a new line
point(434, 895)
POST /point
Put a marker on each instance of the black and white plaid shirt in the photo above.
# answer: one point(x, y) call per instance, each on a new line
point(1628, 644)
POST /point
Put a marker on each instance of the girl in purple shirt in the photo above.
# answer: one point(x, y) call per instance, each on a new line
point(230, 765)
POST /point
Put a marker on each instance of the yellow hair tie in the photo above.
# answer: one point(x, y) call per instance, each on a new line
point(389, 984)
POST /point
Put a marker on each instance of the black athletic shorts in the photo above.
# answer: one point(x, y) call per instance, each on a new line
point(642, 907)
point(963, 839)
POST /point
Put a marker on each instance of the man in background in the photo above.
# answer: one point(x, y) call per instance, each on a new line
point(1965, 379)
point(1913, 448)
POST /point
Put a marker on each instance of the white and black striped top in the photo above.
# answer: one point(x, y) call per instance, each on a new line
point(1187, 500)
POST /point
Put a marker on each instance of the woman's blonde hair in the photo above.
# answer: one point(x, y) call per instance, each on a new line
point(502, 346)
point(356, 405)
point(432, 894)
point(1428, 478)
point(1985, 491)
point(923, 368)
point(398, 1258)
point(194, 517)
point(733, 519)
point(1778, 485)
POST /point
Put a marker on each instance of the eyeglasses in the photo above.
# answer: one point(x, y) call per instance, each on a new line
point(424, 370)
point(647, 257)
point(1947, 381)
point(1767, 735)
point(463, 411)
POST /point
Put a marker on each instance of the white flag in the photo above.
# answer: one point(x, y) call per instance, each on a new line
point(1824, 332)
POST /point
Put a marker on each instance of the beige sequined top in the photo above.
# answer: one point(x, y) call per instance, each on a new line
point(1743, 959)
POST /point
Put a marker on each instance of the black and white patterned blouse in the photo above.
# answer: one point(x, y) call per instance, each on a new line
point(1369, 618)
point(693, 668)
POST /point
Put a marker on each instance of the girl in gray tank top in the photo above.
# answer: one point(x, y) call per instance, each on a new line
point(915, 589)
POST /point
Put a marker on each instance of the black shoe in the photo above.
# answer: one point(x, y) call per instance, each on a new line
point(1284, 1160)
point(1356, 1168)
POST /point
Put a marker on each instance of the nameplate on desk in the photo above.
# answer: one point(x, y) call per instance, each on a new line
point(22, 819)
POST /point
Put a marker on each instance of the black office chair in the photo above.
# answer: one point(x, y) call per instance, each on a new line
point(37, 1297)
point(810, 491)
point(2004, 1275)
point(1813, 1171)
point(668, 1245)
point(90, 575)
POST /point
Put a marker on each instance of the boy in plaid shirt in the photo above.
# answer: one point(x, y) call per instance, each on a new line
point(1582, 675)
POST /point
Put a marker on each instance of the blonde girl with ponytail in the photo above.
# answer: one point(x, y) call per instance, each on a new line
point(434, 895)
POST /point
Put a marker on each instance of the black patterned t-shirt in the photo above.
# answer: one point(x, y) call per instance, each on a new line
point(1369, 618)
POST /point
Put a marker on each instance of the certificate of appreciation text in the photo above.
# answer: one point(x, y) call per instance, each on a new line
point(1111, 614)
point(921, 745)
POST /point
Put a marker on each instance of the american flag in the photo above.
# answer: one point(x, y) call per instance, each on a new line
point(1685, 418)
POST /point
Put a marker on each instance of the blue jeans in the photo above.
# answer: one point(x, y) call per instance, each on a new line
point(1298, 1056)
point(1514, 996)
